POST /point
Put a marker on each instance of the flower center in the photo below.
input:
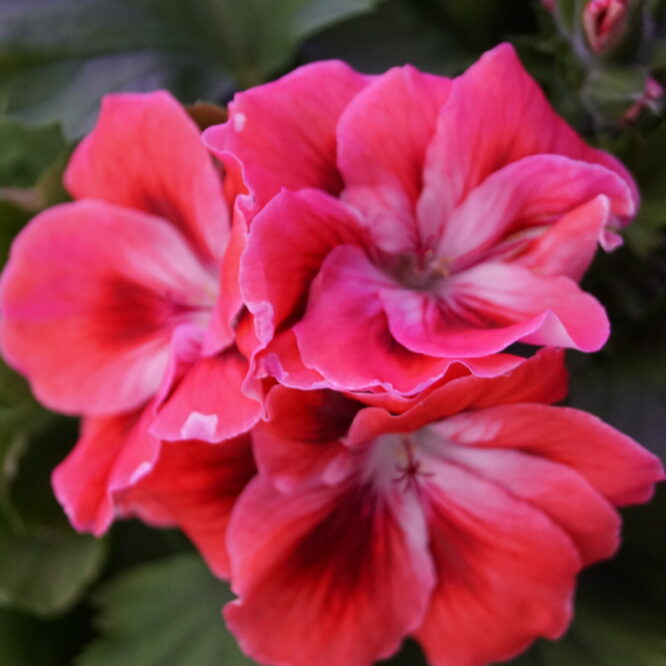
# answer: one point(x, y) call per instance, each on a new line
point(420, 272)
point(408, 467)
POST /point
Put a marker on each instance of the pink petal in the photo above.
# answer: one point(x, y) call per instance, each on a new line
point(532, 191)
point(208, 403)
point(220, 333)
point(485, 309)
point(308, 568)
point(146, 153)
point(505, 572)
point(425, 325)
point(288, 241)
point(113, 454)
point(284, 132)
point(381, 161)
point(482, 128)
point(614, 464)
point(195, 486)
point(91, 327)
point(282, 360)
point(361, 353)
point(568, 246)
point(541, 378)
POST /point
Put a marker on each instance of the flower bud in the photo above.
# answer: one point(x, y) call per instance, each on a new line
point(651, 98)
point(603, 22)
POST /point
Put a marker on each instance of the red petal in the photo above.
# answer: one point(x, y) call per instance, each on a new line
point(195, 486)
point(309, 568)
point(112, 455)
point(505, 572)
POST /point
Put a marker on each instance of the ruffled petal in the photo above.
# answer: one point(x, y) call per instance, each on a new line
point(287, 244)
point(541, 378)
point(194, 486)
point(381, 161)
point(361, 352)
point(145, 153)
point(284, 132)
point(91, 328)
point(309, 567)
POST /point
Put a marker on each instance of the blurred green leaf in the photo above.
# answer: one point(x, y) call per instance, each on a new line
point(414, 39)
point(23, 642)
point(58, 57)
point(44, 571)
point(165, 612)
point(12, 220)
point(608, 92)
point(26, 152)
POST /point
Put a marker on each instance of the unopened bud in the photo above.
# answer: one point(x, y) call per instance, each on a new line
point(651, 98)
point(604, 22)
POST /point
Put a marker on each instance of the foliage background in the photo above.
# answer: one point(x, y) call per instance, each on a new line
point(143, 597)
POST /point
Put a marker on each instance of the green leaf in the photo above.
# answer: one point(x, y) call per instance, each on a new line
point(22, 641)
point(26, 152)
point(165, 613)
point(12, 220)
point(58, 58)
point(414, 39)
point(44, 571)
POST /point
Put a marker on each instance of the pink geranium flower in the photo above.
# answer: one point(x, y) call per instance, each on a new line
point(120, 305)
point(462, 521)
point(406, 220)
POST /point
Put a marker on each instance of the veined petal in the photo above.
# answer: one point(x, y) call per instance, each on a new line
point(145, 153)
point(555, 489)
point(283, 132)
point(614, 464)
point(287, 244)
point(505, 571)
point(568, 246)
point(381, 161)
point(91, 328)
point(533, 191)
point(318, 560)
point(503, 295)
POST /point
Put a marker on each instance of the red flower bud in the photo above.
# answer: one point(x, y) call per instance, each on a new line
point(603, 22)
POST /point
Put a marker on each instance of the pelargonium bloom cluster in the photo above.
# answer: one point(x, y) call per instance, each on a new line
point(291, 338)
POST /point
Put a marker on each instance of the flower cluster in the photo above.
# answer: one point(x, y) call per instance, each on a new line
point(291, 338)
